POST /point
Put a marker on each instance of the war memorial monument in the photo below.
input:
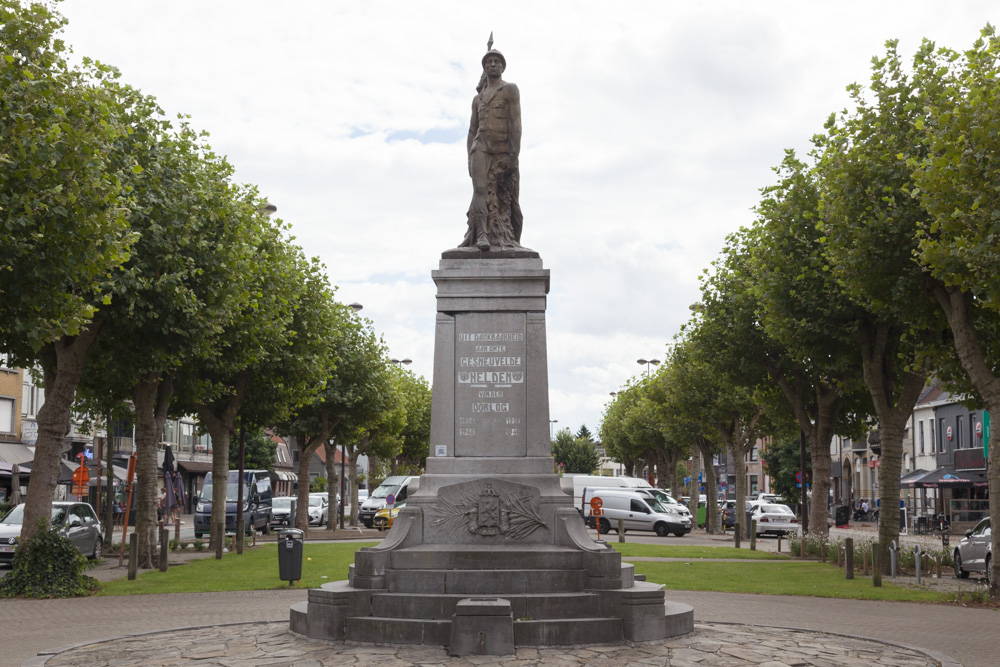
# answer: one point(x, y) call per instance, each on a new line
point(488, 553)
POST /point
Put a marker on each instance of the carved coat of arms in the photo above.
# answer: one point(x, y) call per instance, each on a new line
point(489, 508)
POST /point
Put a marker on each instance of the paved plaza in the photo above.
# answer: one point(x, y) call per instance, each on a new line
point(272, 644)
point(250, 628)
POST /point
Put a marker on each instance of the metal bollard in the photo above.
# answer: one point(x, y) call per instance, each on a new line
point(133, 556)
point(621, 531)
point(876, 566)
point(893, 550)
point(917, 557)
point(753, 535)
point(849, 557)
point(164, 548)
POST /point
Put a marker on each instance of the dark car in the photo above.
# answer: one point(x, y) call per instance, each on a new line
point(77, 521)
point(727, 508)
point(975, 552)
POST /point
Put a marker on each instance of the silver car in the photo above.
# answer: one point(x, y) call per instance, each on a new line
point(975, 552)
point(75, 520)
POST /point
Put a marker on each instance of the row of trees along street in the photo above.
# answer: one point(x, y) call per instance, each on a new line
point(136, 271)
point(871, 266)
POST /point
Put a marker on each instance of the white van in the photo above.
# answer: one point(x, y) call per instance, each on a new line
point(639, 512)
point(582, 482)
point(667, 500)
point(397, 486)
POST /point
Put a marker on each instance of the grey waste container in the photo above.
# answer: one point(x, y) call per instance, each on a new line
point(290, 555)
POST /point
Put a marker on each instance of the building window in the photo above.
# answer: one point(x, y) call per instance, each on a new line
point(4, 365)
point(7, 406)
point(920, 430)
point(170, 432)
point(959, 425)
point(930, 425)
point(753, 454)
point(753, 485)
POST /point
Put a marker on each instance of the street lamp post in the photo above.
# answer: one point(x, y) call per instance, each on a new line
point(343, 450)
point(405, 362)
point(551, 422)
point(648, 362)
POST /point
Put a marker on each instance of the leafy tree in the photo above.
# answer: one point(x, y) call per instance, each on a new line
point(416, 434)
point(578, 455)
point(956, 182)
point(872, 226)
point(62, 206)
point(259, 451)
point(781, 459)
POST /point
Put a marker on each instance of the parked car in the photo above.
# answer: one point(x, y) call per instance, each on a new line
point(397, 486)
point(282, 512)
point(639, 512)
point(385, 516)
point(362, 495)
point(774, 519)
point(727, 508)
point(257, 495)
point(974, 552)
point(319, 510)
point(666, 500)
point(75, 520)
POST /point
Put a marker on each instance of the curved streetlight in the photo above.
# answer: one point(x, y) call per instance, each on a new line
point(551, 422)
point(355, 306)
point(405, 362)
point(648, 362)
point(343, 450)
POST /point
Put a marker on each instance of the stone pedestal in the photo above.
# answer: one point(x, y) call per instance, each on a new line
point(488, 519)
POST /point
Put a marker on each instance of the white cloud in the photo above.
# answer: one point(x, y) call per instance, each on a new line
point(649, 128)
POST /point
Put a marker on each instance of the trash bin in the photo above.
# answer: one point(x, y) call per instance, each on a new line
point(290, 555)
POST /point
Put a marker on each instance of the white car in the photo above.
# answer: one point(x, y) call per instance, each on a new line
point(774, 519)
point(318, 509)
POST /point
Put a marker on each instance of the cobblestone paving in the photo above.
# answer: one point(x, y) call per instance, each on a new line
point(272, 644)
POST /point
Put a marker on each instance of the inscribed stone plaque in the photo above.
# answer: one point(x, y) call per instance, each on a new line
point(490, 396)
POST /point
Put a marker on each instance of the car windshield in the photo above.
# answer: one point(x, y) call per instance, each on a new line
point(315, 501)
point(775, 509)
point(655, 505)
point(283, 503)
point(384, 490)
point(16, 516)
point(232, 492)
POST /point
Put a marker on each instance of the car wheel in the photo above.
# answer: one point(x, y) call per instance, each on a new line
point(661, 530)
point(98, 549)
point(198, 536)
point(678, 533)
point(605, 527)
point(959, 572)
point(267, 526)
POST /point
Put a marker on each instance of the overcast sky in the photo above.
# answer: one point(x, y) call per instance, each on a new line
point(649, 128)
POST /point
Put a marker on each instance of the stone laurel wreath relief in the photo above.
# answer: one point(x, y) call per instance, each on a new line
point(488, 507)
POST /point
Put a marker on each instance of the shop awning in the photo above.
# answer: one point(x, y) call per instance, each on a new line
point(948, 478)
point(15, 452)
point(285, 476)
point(195, 467)
point(904, 480)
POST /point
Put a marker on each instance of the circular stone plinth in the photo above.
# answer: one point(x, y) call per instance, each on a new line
point(272, 643)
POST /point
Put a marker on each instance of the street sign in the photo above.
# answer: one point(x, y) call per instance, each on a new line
point(596, 503)
point(81, 476)
point(986, 435)
point(390, 500)
point(596, 512)
point(798, 478)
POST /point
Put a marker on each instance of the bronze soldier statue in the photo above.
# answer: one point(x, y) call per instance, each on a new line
point(493, 145)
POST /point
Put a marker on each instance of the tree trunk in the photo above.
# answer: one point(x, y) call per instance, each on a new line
point(740, 468)
point(62, 364)
point(306, 449)
point(958, 307)
point(712, 524)
point(332, 485)
point(695, 468)
point(219, 419)
point(151, 398)
point(352, 475)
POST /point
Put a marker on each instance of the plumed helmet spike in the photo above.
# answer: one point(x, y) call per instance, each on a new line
point(489, 44)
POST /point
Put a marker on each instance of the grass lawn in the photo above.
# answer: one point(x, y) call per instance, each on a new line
point(256, 569)
point(684, 551)
point(777, 578)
